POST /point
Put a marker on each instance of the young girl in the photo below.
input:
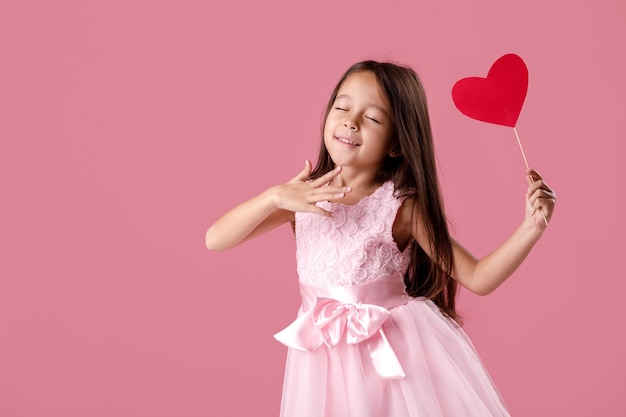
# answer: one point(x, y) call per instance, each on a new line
point(377, 333)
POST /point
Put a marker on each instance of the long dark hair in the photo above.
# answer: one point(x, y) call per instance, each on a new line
point(414, 174)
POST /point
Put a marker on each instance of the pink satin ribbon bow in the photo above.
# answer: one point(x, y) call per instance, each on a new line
point(331, 321)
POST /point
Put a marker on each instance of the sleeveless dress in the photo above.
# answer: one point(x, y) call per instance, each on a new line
point(361, 347)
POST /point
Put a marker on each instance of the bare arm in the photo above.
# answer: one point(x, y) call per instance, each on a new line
point(273, 207)
point(483, 276)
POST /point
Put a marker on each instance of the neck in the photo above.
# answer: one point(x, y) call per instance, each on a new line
point(357, 178)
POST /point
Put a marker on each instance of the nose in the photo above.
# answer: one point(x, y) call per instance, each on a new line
point(349, 124)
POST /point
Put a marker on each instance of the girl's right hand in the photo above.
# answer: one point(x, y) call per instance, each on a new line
point(300, 194)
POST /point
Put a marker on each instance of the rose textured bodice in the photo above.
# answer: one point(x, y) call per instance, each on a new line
point(354, 246)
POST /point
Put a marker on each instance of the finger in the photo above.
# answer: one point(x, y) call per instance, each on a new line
point(533, 175)
point(543, 199)
point(305, 173)
point(540, 189)
point(329, 195)
point(544, 204)
point(326, 178)
point(533, 187)
point(540, 195)
point(331, 189)
point(321, 211)
point(539, 185)
point(538, 203)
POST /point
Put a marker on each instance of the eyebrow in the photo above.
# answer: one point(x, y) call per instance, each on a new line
point(381, 109)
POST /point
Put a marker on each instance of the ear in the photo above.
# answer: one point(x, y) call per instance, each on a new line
point(395, 151)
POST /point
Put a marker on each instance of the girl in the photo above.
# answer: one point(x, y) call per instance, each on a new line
point(377, 333)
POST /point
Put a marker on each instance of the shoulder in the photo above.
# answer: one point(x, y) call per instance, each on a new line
point(402, 229)
point(409, 222)
point(406, 211)
point(409, 215)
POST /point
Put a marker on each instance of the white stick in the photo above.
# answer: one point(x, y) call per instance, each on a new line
point(519, 142)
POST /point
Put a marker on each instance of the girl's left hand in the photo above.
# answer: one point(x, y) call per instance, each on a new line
point(540, 200)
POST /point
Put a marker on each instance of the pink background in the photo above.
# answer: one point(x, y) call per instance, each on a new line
point(128, 127)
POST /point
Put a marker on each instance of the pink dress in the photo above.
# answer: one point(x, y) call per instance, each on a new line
point(361, 347)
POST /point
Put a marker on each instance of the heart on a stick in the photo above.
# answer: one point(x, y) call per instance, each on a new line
point(499, 97)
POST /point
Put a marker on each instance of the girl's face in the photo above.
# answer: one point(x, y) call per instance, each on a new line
point(359, 127)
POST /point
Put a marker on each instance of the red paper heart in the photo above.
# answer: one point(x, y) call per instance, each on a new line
point(499, 97)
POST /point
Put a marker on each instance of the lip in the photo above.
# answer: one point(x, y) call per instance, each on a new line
point(346, 140)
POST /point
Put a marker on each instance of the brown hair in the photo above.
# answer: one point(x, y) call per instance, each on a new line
point(414, 174)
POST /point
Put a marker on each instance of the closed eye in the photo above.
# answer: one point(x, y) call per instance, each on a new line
point(340, 108)
point(372, 119)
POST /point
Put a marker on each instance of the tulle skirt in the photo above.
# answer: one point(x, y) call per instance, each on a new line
point(444, 377)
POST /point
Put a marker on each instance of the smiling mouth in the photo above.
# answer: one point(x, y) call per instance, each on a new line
point(347, 141)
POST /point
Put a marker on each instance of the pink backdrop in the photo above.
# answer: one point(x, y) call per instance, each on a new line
point(127, 127)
